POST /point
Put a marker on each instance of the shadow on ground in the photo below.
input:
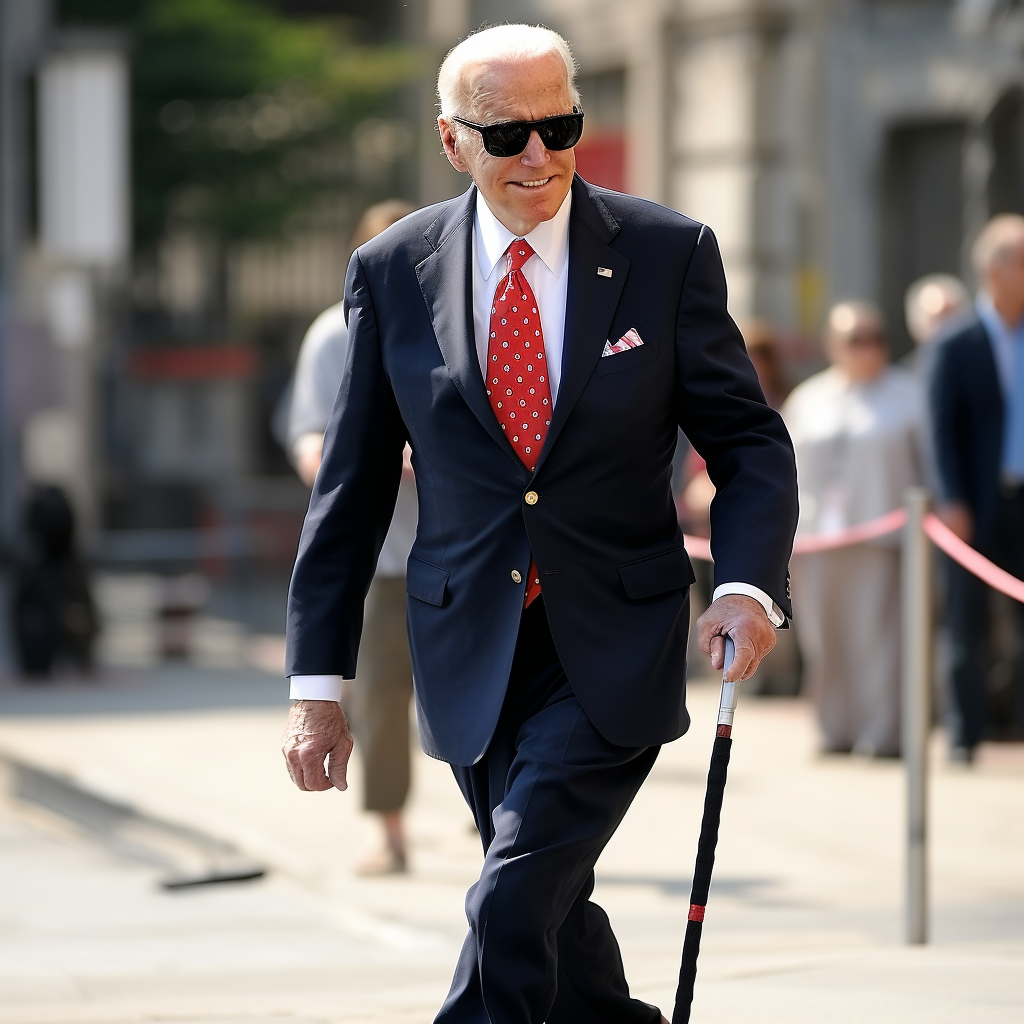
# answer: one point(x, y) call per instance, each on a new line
point(141, 691)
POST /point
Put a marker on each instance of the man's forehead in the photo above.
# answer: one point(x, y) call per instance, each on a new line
point(527, 89)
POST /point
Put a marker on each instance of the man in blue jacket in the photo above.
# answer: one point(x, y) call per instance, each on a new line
point(538, 342)
point(977, 410)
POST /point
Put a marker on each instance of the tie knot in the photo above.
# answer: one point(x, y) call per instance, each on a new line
point(518, 253)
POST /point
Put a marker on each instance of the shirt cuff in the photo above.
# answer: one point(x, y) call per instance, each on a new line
point(315, 687)
point(771, 609)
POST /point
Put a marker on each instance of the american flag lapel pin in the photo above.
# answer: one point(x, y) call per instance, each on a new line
point(604, 271)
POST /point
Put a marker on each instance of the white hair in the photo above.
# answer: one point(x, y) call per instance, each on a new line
point(930, 301)
point(460, 87)
point(1001, 234)
point(845, 317)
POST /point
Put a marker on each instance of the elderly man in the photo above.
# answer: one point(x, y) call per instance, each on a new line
point(977, 410)
point(538, 342)
point(936, 306)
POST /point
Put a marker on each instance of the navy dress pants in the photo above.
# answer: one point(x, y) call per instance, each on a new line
point(968, 611)
point(547, 796)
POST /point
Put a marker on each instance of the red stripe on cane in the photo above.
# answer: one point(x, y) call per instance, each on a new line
point(725, 731)
point(696, 912)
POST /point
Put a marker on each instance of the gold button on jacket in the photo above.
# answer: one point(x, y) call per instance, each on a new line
point(517, 576)
point(532, 498)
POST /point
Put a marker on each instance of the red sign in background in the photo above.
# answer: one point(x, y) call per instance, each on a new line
point(601, 159)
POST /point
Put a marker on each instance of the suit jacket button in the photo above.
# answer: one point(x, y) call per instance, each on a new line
point(531, 498)
point(517, 576)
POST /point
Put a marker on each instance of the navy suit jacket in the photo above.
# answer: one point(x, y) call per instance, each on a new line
point(614, 572)
point(967, 410)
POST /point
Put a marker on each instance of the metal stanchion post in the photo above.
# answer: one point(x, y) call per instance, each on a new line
point(917, 660)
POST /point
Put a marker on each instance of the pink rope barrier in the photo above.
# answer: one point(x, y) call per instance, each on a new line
point(871, 530)
point(973, 561)
point(700, 547)
point(941, 536)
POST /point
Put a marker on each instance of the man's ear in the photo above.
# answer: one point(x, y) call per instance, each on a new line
point(451, 145)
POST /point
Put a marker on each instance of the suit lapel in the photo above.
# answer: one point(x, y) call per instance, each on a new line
point(591, 301)
point(989, 390)
point(446, 281)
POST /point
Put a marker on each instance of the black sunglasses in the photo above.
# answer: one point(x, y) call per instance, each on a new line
point(509, 138)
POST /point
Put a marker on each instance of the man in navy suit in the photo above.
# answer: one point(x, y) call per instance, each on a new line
point(538, 342)
point(977, 411)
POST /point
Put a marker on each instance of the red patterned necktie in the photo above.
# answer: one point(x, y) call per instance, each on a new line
point(517, 372)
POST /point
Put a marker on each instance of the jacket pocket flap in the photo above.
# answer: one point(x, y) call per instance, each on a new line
point(425, 582)
point(657, 574)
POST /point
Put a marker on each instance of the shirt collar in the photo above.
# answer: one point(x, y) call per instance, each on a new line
point(996, 326)
point(549, 240)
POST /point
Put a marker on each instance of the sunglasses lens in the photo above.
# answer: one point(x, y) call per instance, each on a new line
point(506, 139)
point(562, 132)
point(510, 139)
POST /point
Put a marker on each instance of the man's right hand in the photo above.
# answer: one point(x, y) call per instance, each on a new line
point(957, 516)
point(317, 732)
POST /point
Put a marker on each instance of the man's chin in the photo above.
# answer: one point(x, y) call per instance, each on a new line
point(520, 206)
point(539, 203)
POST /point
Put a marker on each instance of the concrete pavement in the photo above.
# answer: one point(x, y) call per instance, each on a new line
point(87, 937)
point(803, 924)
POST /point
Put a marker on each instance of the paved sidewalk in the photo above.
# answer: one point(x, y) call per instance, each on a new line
point(803, 925)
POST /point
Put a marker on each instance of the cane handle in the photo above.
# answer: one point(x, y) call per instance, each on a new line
point(730, 691)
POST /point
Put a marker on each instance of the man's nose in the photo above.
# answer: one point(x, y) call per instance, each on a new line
point(536, 153)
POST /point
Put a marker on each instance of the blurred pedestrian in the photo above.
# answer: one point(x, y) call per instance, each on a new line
point(696, 491)
point(936, 307)
point(977, 412)
point(779, 674)
point(763, 347)
point(53, 615)
point(377, 700)
point(855, 427)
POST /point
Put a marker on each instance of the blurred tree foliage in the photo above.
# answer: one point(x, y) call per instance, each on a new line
point(244, 120)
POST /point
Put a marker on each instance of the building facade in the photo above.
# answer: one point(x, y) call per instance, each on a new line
point(839, 148)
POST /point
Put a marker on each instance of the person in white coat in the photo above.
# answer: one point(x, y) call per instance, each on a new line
point(856, 428)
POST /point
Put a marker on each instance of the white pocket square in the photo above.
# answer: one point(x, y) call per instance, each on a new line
point(629, 340)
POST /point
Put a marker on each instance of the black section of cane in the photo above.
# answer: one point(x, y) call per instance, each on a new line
point(703, 868)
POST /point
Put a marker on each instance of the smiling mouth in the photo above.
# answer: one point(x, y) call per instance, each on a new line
point(533, 184)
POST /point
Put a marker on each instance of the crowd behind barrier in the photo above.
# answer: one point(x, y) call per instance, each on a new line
point(941, 536)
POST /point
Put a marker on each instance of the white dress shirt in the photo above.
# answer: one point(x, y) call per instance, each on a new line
point(547, 272)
